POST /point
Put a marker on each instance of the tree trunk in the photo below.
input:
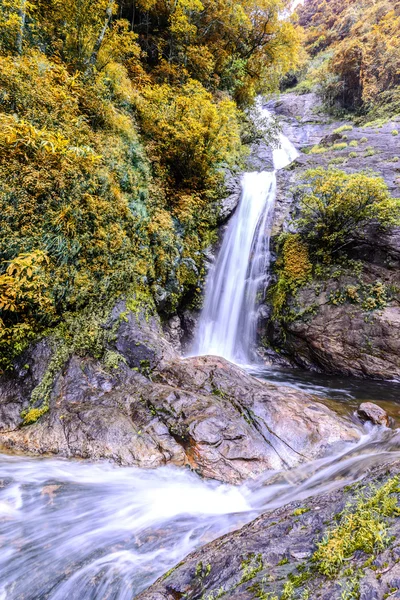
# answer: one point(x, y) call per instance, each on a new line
point(96, 48)
point(20, 34)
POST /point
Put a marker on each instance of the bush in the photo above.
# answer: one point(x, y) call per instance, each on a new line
point(191, 132)
point(337, 205)
point(342, 129)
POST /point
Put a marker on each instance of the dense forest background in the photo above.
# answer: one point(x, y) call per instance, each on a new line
point(117, 119)
point(353, 51)
point(118, 122)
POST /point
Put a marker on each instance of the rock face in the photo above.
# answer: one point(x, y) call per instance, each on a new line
point(368, 411)
point(156, 408)
point(343, 338)
point(271, 557)
point(353, 337)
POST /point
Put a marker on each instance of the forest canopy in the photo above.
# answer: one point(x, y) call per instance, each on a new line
point(117, 120)
point(354, 52)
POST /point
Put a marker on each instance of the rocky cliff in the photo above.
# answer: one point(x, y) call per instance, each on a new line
point(331, 329)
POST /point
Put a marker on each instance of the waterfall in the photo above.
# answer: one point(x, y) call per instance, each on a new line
point(239, 277)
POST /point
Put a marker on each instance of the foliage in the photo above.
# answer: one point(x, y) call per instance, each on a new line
point(24, 297)
point(189, 130)
point(336, 205)
point(294, 269)
point(360, 40)
point(361, 527)
point(116, 121)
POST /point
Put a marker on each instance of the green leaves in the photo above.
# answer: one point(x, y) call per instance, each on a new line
point(335, 206)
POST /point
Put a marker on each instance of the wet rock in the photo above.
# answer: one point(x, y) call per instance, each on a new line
point(349, 338)
point(227, 205)
point(139, 338)
point(341, 338)
point(156, 408)
point(174, 333)
point(259, 559)
point(368, 411)
point(16, 387)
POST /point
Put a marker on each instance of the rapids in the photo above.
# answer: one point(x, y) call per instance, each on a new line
point(87, 531)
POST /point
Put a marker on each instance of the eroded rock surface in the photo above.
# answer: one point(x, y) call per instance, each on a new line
point(156, 408)
point(368, 411)
point(272, 556)
point(359, 334)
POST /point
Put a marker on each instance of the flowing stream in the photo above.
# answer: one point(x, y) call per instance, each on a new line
point(87, 531)
point(82, 531)
point(236, 282)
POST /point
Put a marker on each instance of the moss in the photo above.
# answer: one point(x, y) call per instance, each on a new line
point(113, 360)
point(339, 160)
point(318, 150)
point(395, 132)
point(252, 565)
point(40, 397)
point(34, 414)
point(300, 511)
point(283, 561)
point(202, 571)
point(370, 151)
point(294, 269)
point(362, 526)
point(342, 129)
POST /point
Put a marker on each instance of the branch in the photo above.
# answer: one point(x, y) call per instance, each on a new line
point(93, 57)
point(20, 34)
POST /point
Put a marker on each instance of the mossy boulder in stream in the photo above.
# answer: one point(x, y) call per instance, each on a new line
point(340, 545)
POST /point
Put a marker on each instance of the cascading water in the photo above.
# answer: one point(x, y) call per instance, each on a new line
point(95, 531)
point(228, 323)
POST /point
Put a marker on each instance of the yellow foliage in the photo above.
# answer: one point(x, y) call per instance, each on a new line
point(296, 262)
point(191, 131)
point(24, 283)
point(362, 38)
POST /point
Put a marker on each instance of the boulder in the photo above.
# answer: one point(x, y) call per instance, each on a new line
point(149, 408)
point(263, 558)
point(368, 411)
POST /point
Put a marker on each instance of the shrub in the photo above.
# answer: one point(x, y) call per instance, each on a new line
point(337, 205)
point(353, 144)
point(395, 132)
point(192, 132)
point(353, 155)
point(340, 146)
point(362, 526)
point(318, 150)
point(294, 269)
point(343, 128)
point(370, 151)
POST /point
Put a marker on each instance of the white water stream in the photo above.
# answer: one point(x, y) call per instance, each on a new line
point(80, 531)
point(228, 322)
